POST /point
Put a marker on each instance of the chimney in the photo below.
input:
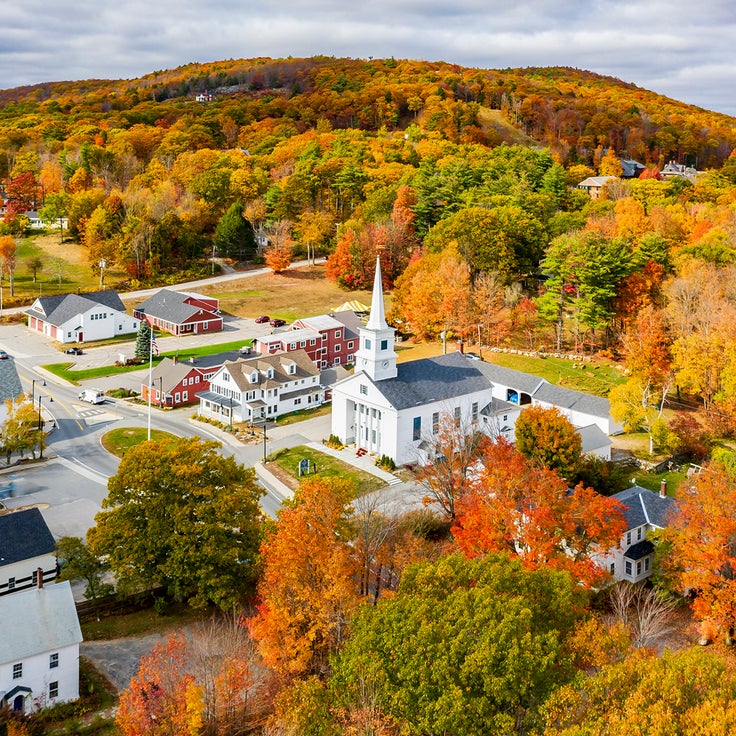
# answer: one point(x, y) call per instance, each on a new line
point(39, 578)
point(176, 359)
point(663, 489)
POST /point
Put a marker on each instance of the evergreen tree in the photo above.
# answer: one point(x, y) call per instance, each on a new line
point(143, 341)
point(234, 235)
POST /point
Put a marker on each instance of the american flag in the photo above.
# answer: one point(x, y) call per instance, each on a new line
point(154, 344)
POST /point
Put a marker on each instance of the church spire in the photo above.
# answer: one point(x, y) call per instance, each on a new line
point(377, 319)
point(376, 356)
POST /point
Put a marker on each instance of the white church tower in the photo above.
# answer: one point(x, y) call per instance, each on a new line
point(376, 356)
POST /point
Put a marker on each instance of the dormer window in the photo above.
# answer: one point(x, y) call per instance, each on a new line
point(292, 369)
point(253, 378)
point(269, 372)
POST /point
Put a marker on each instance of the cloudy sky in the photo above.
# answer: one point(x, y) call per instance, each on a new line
point(681, 48)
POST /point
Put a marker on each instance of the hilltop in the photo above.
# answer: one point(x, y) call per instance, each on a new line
point(569, 110)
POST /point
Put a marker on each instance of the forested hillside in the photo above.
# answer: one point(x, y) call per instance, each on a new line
point(463, 180)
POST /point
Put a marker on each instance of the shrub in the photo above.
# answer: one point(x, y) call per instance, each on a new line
point(333, 441)
point(386, 463)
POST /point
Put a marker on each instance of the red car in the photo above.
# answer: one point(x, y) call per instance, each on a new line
point(277, 322)
point(261, 320)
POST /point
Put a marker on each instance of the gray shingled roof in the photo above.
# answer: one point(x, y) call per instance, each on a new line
point(60, 308)
point(24, 535)
point(10, 386)
point(545, 391)
point(643, 506)
point(593, 438)
point(432, 379)
point(574, 400)
point(170, 306)
point(42, 621)
point(509, 377)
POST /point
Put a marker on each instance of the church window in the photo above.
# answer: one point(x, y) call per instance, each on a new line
point(363, 389)
point(475, 411)
point(435, 422)
point(367, 344)
point(457, 416)
point(384, 344)
point(417, 430)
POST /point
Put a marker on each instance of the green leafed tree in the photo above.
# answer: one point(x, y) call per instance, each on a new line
point(234, 235)
point(78, 563)
point(465, 647)
point(181, 515)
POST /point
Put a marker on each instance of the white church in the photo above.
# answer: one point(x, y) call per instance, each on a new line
point(389, 409)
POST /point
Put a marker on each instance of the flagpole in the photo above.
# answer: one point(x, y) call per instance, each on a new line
point(150, 376)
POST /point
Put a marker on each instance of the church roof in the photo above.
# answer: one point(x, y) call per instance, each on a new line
point(432, 379)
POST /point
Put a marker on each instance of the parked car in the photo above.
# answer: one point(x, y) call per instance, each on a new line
point(473, 356)
point(262, 319)
point(74, 351)
point(277, 322)
point(3, 355)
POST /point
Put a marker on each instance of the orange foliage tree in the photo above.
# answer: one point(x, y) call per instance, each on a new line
point(161, 699)
point(702, 540)
point(280, 249)
point(308, 589)
point(514, 505)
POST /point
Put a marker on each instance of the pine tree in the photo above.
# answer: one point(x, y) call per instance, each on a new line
point(234, 234)
point(143, 341)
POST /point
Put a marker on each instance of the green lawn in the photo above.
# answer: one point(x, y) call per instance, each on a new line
point(326, 467)
point(301, 415)
point(64, 370)
point(119, 441)
point(593, 378)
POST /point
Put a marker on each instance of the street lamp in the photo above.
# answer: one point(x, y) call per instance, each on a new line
point(103, 263)
point(33, 388)
point(231, 413)
point(265, 425)
point(40, 396)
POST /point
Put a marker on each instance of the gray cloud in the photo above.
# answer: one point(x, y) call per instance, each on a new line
point(669, 46)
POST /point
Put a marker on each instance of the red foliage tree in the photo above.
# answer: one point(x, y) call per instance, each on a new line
point(516, 506)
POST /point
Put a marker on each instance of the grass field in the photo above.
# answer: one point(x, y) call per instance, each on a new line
point(592, 378)
point(326, 467)
point(299, 292)
point(119, 441)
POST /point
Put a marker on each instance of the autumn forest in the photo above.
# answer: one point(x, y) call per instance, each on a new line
point(465, 183)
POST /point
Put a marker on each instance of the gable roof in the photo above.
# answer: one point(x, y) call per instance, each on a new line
point(59, 309)
point(426, 381)
point(643, 506)
point(24, 535)
point(242, 368)
point(42, 620)
point(595, 181)
point(593, 438)
point(509, 377)
point(208, 362)
point(542, 390)
point(172, 373)
point(172, 306)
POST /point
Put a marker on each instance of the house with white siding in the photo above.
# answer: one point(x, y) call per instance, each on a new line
point(39, 652)
point(262, 388)
point(97, 315)
point(645, 511)
point(26, 546)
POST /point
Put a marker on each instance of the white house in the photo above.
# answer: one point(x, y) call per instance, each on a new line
point(39, 651)
point(97, 315)
point(261, 388)
point(645, 511)
point(26, 545)
point(390, 409)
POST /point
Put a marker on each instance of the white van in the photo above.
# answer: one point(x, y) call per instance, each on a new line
point(92, 395)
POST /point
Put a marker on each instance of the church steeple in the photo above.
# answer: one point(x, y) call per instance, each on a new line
point(376, 356)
